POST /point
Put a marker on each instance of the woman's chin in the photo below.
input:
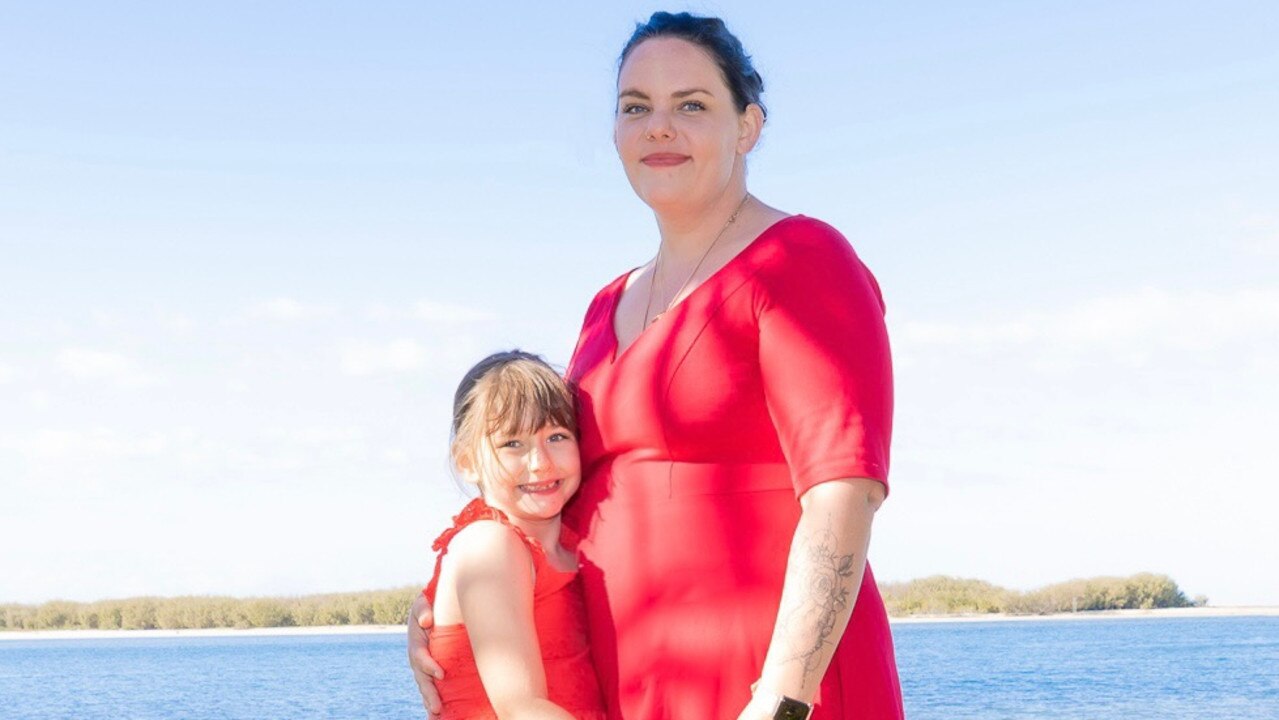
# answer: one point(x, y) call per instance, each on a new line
point(668, 199)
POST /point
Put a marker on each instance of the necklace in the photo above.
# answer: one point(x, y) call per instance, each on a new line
point(657, 265)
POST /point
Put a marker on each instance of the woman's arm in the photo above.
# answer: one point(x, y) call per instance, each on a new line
point(425, 670)
point(823, 577)
point(495, 594)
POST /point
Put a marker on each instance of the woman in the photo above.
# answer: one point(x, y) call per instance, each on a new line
point(735, 416)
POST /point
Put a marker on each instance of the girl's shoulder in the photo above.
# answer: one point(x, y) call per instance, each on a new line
point(482, 534)
point(489, 543)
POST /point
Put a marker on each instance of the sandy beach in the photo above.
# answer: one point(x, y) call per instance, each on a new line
point(1198, 612)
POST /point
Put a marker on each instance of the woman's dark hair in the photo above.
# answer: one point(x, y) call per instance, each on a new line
point(711, 35)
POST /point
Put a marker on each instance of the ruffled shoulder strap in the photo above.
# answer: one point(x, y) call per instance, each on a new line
point(475, 511)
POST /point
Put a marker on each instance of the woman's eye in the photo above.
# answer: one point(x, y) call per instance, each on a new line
point(510, 445)
point(692, 105)
point(633, 109)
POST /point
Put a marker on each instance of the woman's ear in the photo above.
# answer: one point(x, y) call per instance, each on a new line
point(750, 125)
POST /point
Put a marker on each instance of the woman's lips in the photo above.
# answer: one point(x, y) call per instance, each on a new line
point(664, 159)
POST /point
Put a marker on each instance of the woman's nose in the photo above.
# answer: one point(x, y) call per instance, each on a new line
point(659, 126)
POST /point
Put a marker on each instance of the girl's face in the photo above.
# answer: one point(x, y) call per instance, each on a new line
point(677, 130)
point(528, 476)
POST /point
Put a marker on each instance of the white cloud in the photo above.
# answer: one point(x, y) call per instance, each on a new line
point(449, 314)
point(287, 310)
point(364, 358)
point(175, 322)
point(429, 311)
point(1124, 328)
point(8, 373)
point(1260, 233)
point(105, 319)
point(380, 312)
point(90, 365)
point(97, 443)
point(395, 456)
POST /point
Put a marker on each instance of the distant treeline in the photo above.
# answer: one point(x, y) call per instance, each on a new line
point(940, 595)
point(377, 607)
point(933, 595)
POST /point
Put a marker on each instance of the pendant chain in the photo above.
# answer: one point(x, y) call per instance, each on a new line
point(657, 265)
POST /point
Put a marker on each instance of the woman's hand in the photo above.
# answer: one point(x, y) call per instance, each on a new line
point(756, 709)
point(425, 670)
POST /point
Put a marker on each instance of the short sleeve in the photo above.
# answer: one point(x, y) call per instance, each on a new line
point(824, 358)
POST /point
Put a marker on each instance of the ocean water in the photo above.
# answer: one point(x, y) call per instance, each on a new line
point(1201, 668)
point(1137, 668)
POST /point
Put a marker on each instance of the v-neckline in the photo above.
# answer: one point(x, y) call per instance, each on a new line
point(619, 352)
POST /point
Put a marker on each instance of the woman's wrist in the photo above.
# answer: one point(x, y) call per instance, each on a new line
point(771, 702)
point(776, 706)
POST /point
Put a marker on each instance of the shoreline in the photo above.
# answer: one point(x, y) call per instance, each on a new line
point(199, 632)
point(1086, 615)
point(1196, 612)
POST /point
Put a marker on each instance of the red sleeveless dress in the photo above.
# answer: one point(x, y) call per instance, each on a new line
point(558, 614)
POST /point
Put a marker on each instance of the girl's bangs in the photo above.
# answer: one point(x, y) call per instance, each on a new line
point(523, 400)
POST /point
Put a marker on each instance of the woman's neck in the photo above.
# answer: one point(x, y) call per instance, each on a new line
point(686, 232)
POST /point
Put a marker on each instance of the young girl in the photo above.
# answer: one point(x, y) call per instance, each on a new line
point(509, 622)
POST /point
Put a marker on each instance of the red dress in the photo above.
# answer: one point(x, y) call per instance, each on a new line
point(770, 377)
point(561, 634)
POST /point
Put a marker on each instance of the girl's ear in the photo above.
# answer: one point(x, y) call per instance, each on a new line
point(470, 470)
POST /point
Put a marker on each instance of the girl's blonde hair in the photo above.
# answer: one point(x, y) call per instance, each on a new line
point(508, 393)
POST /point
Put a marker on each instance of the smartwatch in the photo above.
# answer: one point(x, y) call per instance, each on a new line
point(788, 708)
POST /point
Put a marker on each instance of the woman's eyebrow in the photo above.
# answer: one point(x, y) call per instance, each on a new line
point(632, 92)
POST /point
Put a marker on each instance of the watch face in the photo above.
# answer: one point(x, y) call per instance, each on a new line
point(789, 709)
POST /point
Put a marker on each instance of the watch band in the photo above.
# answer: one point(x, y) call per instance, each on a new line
point(788, 708)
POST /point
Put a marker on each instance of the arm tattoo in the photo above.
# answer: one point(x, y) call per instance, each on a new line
point(825, 591)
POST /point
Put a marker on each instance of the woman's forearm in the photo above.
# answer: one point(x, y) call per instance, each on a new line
point(823, 576)
point(530, 708)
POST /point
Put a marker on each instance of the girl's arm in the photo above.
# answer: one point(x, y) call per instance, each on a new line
point(823, 577)
point(495, 593)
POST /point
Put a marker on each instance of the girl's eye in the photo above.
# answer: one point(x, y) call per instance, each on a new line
point(510, 444)
point(561, 436)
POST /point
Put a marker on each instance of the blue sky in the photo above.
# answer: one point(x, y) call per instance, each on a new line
point(246, 251)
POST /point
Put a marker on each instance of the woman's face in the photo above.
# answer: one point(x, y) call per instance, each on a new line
point(677, 129)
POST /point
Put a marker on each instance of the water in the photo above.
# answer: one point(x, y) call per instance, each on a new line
point(1200, 668)
point(322, 676)
point(1207, 669)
